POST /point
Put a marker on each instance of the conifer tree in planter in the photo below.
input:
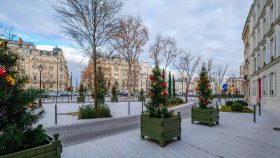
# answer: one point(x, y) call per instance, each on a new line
point(141, 97)
point(81, 97)
point(19, 112)
point(157, 122)
point(204, 113)
point(101, 86)
point(114, 97)
point(173, 87)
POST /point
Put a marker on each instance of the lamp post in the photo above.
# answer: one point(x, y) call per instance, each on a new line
point(40, 99)
point(55, 107)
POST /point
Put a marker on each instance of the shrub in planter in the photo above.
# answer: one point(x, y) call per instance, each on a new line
point(236, 107)
point(114, 97)
point(175, 101)
point(18, 110)
point(242, 102)
point(203, 113)
point(229, 103)
point(141, 97)
point(157, 122)
point(81, 97)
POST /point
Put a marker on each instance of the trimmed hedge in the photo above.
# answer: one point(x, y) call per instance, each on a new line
point(242, 102)
point(236, 107)
point(229, 103)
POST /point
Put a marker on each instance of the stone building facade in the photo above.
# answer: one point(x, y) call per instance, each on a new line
point(264, 53)
point(54, 66)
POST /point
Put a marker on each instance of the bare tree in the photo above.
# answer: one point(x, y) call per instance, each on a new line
point(186, 65)
point(128, 38)
point(156, 49)
point(88, 23)
point(163, 50)
point(169, 51)
point(221, 71)
point(210, 67)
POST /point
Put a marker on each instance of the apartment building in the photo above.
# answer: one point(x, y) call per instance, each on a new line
point(54, 66)
point(263, 25)
point(115, 71)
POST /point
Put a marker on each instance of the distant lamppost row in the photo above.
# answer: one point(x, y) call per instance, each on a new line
point(40, 99)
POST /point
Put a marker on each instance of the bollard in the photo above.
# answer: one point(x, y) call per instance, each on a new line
point(128, 107)
point(254, 113)
point(259, 108)
point(55, 114)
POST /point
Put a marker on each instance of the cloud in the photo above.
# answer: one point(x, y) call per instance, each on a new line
point(207, 28)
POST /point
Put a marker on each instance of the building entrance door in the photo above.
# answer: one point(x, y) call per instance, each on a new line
point(259, 90)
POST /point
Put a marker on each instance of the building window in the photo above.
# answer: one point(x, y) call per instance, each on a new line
point(254, 88)
point(271, 14)
point(272, 83)
point(34, 78)
point(264, 86)
point(272, 49)
point(23, 71)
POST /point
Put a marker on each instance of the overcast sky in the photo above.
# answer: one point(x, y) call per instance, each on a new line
point(206, 28)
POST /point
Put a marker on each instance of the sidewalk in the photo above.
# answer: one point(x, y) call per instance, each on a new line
point(236, 137)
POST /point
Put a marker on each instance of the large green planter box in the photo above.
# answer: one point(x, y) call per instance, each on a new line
point(80, 99)
point(207, 116)
point(161, 129)
point(100, 101)
point(114, 99)
point(51, 150)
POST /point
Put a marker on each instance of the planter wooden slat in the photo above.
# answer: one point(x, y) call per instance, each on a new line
point(51, 150)
point(161, 129)
point(207, 116)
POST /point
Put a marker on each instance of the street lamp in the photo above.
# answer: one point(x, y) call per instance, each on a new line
point(40, 100)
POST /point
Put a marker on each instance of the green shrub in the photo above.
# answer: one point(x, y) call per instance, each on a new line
point(86, 112)
point(89, 112)
point(236, 107)
point(80, 99)
point(176, 101)
point(242, 102)
point(114, 99)
point(225, 108)
point(229, 103)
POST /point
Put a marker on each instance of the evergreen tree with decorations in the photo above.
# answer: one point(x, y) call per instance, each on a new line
point(18, 110)
point(157, 107)
point(204, 91)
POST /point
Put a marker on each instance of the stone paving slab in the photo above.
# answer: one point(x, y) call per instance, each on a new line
point(236, 137)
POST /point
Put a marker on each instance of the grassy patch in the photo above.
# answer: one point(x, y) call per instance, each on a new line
point(226, 108)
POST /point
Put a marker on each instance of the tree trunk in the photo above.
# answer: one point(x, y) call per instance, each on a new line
point(129, 81)
point(187, 91)
point(94, 76)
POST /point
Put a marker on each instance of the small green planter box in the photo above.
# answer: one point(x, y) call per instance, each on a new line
point(161, 129)
point(114, 99)
point(80, 99)
point(208, 116)
point(100, 101)
point(51, 150)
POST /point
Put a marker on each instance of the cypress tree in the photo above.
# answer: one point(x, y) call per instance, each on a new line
point(169, 85)
point(173, 87)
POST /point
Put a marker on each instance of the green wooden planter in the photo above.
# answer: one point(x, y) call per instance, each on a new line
point(161, 129)
point(51, 150)
point(114, 99)
point(80, 99)
point(100, 101)
point(207, 116)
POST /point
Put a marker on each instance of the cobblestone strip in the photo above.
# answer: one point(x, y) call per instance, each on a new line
point(86, 131)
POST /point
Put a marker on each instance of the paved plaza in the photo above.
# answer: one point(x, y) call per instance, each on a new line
point(236, 137)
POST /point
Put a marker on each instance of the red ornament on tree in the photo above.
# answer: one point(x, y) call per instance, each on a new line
point(151, 78)
point(164, 84)
point(164, 93)
point(3, 72)
point(162, 75)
